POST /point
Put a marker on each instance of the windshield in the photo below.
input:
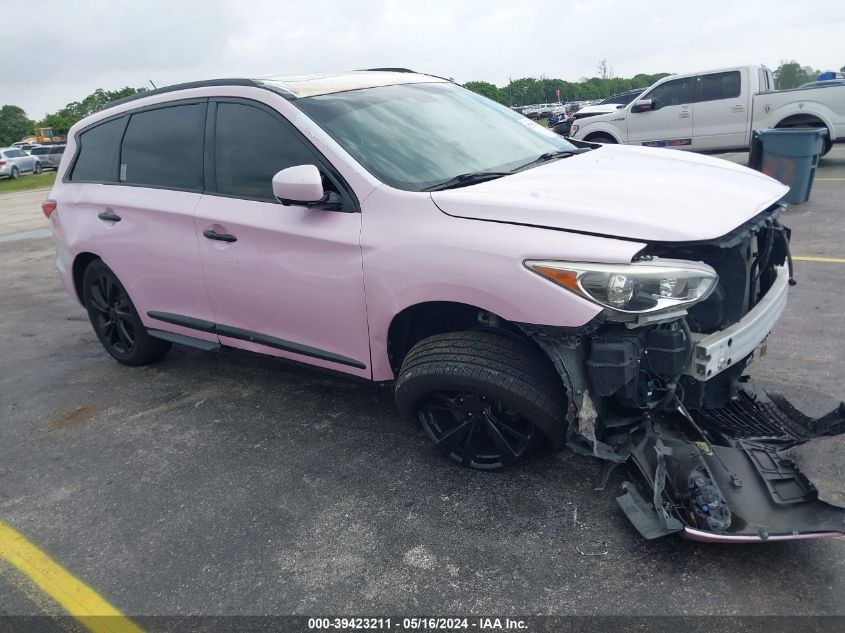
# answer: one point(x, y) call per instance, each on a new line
point(415, 136)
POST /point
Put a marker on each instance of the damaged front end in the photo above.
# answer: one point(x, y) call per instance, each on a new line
point(666, 391)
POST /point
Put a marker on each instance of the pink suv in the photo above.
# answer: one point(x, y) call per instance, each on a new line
point(518, 289)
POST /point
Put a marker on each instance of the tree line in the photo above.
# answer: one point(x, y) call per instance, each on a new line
point(14, 123)
point(530, 90)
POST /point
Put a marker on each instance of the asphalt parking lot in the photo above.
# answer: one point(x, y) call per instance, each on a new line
point(227, 483)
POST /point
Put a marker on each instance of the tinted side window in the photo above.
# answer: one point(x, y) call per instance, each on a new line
point(719, 86)
point(97, 157)
point(251, 146)
point(675, 92)
point(38, 151)
point(163, 148)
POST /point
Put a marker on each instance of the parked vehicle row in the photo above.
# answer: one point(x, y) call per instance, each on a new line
point(611, 104)
point(482, 265)
point(14, 162)
point(49, 155)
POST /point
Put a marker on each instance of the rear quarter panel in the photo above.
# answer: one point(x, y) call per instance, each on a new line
point(828, 104)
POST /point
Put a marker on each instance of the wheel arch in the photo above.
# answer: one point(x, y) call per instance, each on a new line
point(593, 137)
point(806, 118)
point(80, 263)
point(421, 320)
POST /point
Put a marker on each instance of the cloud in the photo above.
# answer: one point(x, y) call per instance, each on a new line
point(91, 44)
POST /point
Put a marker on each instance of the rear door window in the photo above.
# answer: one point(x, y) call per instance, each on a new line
point(96, 160)
point(251, 145)
point(716, 86)
point(164, 148)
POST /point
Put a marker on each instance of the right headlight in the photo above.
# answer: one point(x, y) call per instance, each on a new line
point(638, 288)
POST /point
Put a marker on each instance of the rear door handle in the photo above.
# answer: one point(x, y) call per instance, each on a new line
point(109, 216)
point(737, 108)
point(220, 237)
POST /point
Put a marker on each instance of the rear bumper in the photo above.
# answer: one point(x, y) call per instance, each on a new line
point(717, 352)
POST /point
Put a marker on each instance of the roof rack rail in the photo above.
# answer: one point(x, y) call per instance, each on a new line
point(235, 81)
point(391, 70)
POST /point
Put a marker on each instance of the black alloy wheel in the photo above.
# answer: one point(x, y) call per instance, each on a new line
point(112, 315)
point(475, 430)
point(486, 399)
point(115, 319)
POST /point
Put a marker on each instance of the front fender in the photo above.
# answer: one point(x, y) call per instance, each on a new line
point(413, 253)
point(602, 127)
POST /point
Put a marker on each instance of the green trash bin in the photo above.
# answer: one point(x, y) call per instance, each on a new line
point(789, 155)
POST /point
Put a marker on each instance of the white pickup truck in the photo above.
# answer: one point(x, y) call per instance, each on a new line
point(717, 110)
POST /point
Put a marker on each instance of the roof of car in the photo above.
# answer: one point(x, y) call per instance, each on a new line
point(298, 86)
point(314, 85)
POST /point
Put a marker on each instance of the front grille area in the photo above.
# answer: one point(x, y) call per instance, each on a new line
point(744, 260)
point(746, 417)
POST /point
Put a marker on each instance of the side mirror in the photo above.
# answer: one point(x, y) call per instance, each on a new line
point(644, 105)
point(301, 185)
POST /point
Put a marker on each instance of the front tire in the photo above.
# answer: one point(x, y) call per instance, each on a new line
point(481, 397)
point(115, 319)
point(36, 169)
point(602, 138)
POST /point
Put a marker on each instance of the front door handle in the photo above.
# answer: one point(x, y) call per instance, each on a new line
point(220, 237)
point(108, 216)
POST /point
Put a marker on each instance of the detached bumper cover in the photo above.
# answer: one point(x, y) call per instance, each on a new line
point(693, 534)
point(716, 352)
point(769, 478)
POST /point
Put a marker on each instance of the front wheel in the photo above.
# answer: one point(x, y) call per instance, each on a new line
point(481, 397)
point(115, 319)
point(36, 169)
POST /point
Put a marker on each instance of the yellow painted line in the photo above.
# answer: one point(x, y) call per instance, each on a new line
point(78, 599)
point(828, 260)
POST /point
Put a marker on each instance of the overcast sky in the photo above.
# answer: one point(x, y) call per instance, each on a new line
point(108, 44)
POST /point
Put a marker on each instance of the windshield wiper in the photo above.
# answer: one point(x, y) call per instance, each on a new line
point(549, 156)
point(464, 180)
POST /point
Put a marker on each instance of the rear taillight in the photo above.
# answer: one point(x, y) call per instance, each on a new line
point(48, 206)
point(2, 162)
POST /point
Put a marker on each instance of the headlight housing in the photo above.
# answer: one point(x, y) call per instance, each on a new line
point(656, 285)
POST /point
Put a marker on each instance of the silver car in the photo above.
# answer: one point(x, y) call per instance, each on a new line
point(14, 162)
point(49, 155)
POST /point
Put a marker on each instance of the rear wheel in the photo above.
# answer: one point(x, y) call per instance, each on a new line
point(36, 169)
point(828, 144)
point(15, 173)
point(115, 319)
point(482, 398)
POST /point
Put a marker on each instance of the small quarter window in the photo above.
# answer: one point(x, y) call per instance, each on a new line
point(96, 160)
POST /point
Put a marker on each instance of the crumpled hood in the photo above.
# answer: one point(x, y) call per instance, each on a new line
point(638, 193)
